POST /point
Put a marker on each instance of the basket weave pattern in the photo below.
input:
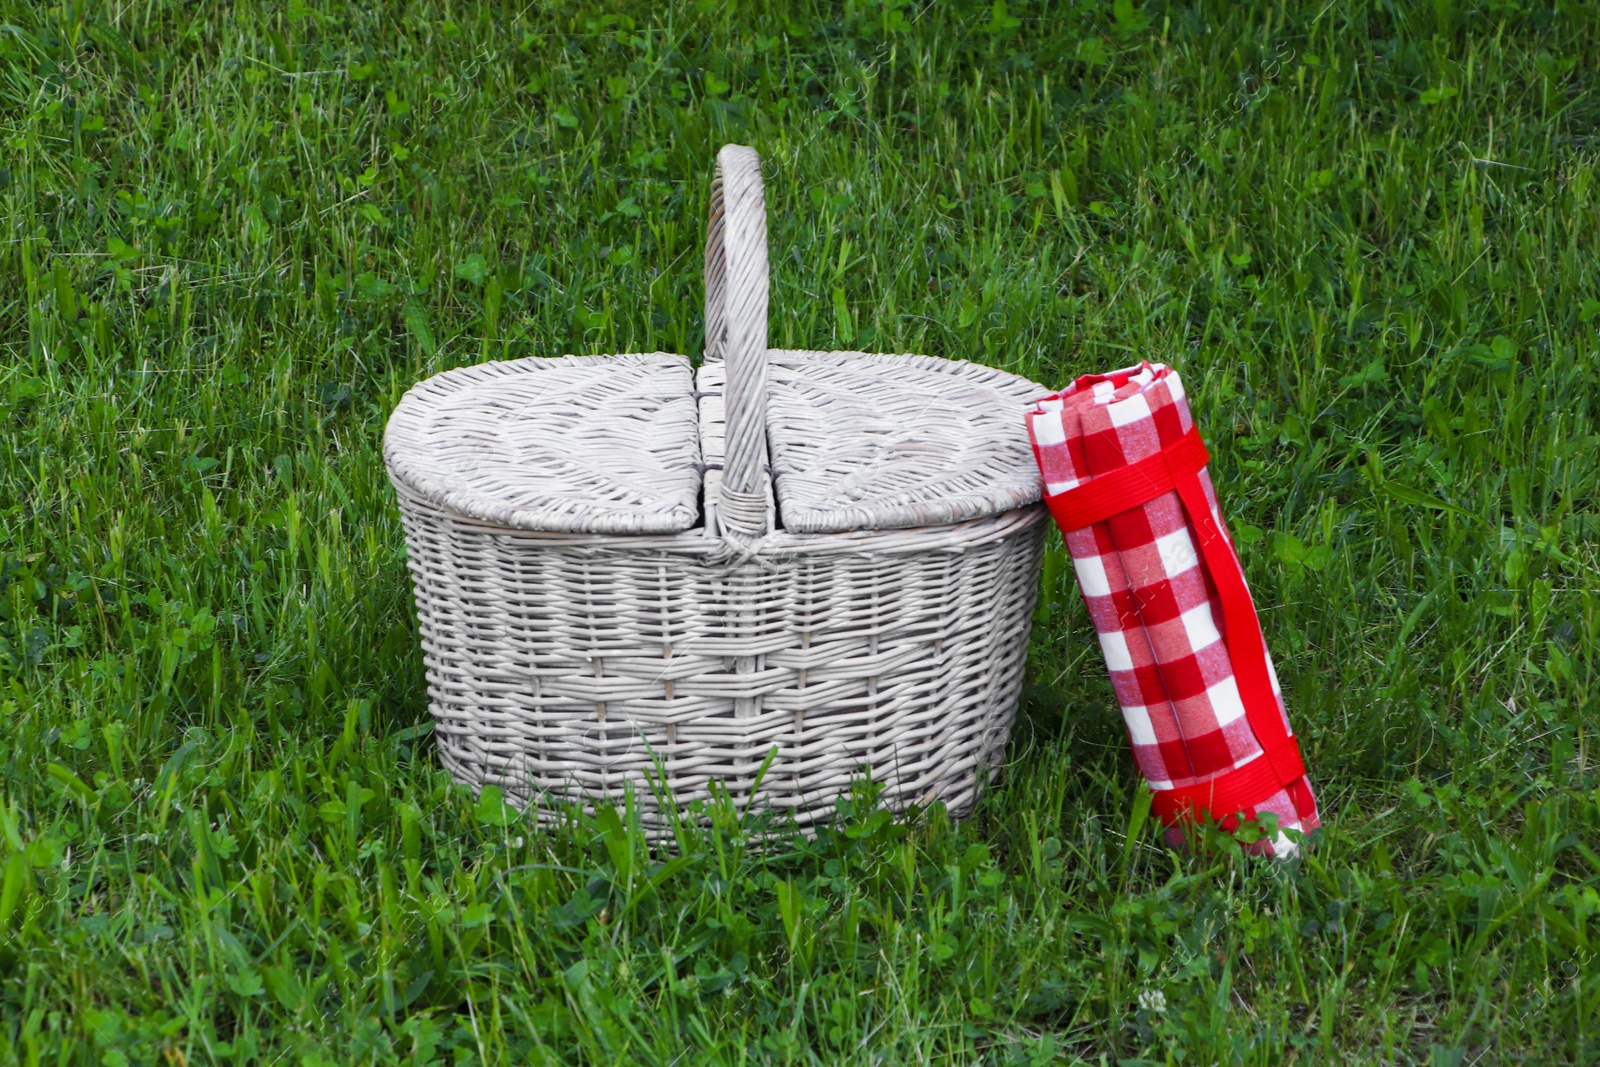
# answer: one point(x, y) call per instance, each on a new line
point(572, 665)
point(581, 662)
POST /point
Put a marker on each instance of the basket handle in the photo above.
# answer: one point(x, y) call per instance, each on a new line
point(736, 331)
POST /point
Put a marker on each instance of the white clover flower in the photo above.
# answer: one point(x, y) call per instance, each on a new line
point(1153, 1000)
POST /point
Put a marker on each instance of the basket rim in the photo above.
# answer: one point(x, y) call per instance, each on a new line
point(771, 550)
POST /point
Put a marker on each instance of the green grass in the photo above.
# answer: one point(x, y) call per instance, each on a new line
point(234, 234)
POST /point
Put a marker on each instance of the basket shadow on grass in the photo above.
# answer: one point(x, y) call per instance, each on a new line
point(794, 906)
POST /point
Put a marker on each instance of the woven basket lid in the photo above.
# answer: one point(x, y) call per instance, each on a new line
point(880, 442)
point(580, 444)
point(841, 441)
point(884, 442)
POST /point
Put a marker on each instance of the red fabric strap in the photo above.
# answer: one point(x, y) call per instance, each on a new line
point(1177, 468)
point(1231, 791)
point(1129, 487)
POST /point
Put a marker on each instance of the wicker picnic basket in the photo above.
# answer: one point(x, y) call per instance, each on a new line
point(618, 590)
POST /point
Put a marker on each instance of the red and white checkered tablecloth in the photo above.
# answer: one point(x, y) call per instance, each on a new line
point(1124, 475)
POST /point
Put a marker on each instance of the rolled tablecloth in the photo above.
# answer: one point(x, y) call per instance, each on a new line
point(1124, 471)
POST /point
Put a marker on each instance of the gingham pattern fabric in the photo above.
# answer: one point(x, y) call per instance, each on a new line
point(1157, 606)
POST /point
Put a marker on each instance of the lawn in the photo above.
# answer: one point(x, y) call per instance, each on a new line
point(234, 234)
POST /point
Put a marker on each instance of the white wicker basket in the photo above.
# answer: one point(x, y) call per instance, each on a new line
point(609, 600)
